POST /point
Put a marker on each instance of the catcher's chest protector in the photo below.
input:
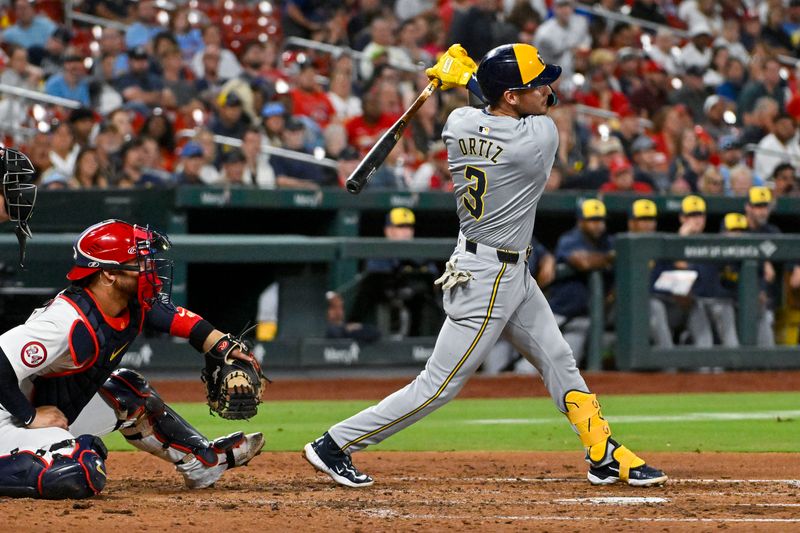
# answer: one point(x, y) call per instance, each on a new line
point(96, 348)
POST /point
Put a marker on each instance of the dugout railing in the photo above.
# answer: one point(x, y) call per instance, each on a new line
point(635, 256)
point(307, 268)
point(304, 265)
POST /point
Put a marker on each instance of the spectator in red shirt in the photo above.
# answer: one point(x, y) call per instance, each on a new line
point(364, 130)
point(621, 178)
point(308, 98)
point(653, 93)
point(601, 94)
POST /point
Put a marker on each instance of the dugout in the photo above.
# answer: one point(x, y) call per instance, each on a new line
point(231, 243)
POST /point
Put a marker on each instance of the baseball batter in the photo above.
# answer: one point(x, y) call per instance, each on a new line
point(60, 388)
point(500, 158)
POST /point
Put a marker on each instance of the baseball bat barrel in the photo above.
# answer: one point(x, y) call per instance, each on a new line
point(378, 154)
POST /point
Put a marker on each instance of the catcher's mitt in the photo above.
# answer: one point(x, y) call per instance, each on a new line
point(233, 386)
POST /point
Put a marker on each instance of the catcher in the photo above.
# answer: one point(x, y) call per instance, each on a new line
point(60, 388)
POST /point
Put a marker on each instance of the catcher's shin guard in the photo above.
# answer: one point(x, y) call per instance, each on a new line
point(70, 469)
point(150, 424)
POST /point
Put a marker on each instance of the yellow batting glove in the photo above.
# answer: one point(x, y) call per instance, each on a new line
point(454, 68)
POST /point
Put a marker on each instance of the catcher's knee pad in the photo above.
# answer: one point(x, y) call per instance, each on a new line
point(76, 470)
point(583, 412)
point(127, 392)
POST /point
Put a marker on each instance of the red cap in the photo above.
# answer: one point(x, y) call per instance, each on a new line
point(681, 108)
point(618, 164)
point(652, 66)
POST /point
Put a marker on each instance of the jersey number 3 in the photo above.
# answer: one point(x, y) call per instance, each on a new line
point(473, 198)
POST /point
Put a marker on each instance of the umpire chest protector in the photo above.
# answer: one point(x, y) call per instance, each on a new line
point(96, 349)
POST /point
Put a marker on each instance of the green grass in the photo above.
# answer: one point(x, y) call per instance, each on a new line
point(289, 425)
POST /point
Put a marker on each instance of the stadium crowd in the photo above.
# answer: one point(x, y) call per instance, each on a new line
point(706, 103)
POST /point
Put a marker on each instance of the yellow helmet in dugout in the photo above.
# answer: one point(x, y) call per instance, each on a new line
point(643, 209)
point(513, 67)
point(734, 222)
point(400, 216)
point(758, 196)
point(592, 209)
point(693, 205)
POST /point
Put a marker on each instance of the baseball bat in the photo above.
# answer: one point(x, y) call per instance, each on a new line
point(378, 154)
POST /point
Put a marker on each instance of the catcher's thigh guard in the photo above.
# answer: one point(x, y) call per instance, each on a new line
point(150, 424)
point(76, 469)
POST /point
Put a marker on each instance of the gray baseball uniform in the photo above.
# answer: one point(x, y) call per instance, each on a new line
point(499, 166)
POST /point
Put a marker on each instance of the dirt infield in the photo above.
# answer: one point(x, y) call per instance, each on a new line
point(434, 491)
point(445, 491)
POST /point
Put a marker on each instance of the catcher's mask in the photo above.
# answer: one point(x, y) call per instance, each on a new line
point(19, 194)
point(114, 245)
point(514, 67)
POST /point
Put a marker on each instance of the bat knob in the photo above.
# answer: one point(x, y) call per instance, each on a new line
point(353, 187)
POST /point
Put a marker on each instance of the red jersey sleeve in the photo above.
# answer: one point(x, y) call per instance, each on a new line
point(165, 317)
point(182, 322)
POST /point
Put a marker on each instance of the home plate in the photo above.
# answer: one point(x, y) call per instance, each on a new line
point(613, 500)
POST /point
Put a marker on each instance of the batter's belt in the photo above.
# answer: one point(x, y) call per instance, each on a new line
point(487, 252)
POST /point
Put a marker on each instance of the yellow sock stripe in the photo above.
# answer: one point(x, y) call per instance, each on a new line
point(450, 376)
point(581, 412)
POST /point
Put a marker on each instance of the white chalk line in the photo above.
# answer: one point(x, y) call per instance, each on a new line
point(672, 481)
point(623, 419)
point(389, 513)
point(767, 504)
point(613, 500)
point(648, 500)
point(532, 501)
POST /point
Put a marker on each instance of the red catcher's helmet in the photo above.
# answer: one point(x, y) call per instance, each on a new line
point(110, 244)
point(105, 245)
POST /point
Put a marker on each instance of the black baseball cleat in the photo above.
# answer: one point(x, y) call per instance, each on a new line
point(326, 456)
point(641, 476)
point(621, 468)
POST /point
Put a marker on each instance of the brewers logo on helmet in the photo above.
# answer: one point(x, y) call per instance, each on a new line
point(513, 67)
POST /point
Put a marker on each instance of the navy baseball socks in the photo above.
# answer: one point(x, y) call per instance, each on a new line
point(609, 461)
point(327, 457)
